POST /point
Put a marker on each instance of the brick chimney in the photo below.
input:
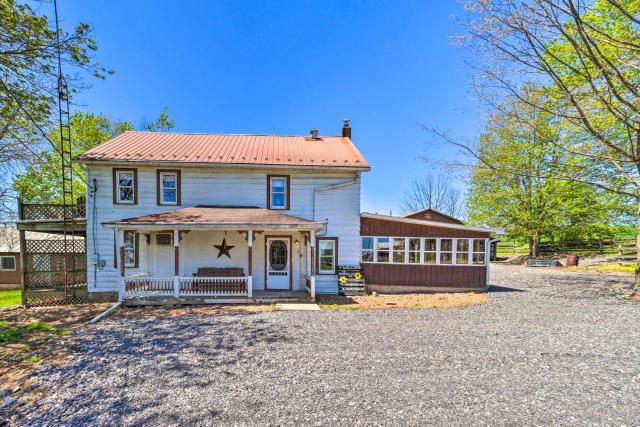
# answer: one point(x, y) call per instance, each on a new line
point(346, 129)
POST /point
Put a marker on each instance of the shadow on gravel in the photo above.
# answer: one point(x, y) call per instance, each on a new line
point(157, 360)
point(497, 288)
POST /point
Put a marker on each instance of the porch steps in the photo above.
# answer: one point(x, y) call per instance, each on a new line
point(258, 298)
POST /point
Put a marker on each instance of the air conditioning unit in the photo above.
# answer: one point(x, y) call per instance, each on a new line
point(164, 239)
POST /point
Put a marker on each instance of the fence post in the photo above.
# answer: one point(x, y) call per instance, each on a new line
point(122, 290)
point(250, 286)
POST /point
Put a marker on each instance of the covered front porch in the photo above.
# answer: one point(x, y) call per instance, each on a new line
point(208, 254)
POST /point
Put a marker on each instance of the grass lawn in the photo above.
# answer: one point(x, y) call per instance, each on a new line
point(9, 298)
point(606, 268)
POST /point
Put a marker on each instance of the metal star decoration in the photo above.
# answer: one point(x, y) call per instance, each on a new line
point(223, 249)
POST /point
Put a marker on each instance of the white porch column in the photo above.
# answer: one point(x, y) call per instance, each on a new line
point(312, 245)
point(120, 263)
point(250, 264)
point(176, 275)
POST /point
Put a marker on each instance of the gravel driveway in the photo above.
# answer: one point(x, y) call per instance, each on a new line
point(548, 347)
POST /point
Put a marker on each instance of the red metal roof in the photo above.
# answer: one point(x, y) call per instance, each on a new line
point(163, 147)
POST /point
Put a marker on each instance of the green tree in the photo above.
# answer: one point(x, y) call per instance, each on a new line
point(518, 185)
point(28, 81)
point(41, 181)
point(162, 123)
point(585, 58)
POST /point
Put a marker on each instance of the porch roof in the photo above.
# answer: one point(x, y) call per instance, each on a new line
point(217, 217)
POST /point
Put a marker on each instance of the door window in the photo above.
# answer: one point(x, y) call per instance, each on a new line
point(278, 255)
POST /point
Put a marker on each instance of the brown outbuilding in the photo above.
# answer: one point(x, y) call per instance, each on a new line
point(411, 254)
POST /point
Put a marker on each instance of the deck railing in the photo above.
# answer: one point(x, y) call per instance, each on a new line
point(144, 286)
point(51, 211)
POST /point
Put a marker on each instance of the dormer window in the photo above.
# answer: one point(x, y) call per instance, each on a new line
point(278, 192)
point(125, 182)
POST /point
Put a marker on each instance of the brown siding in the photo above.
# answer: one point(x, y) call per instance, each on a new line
point(379, 227)
point(431, 215)
point(396, 276)
point(428, 276)
point(11, 277)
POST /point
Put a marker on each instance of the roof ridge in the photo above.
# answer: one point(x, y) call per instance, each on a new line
point(229, 134)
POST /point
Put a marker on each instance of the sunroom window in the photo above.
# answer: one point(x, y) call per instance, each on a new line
point(429, 251)
point(462, 251)
point(446, 251)
point(398, 250)
point(479, 251)
point(367, 249)
point(382, 249)
point(414, 251)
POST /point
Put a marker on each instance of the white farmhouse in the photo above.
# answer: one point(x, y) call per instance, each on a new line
point(218, 216)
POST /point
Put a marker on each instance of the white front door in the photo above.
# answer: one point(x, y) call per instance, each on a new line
point(278, 265)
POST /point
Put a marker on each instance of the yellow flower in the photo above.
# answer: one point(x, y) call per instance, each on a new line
point(342, 280)
point(358, 275)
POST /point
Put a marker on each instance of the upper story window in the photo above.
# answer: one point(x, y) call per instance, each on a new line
point(327, 255)
point(125, 183)
point(278, 196)
point(168, 187)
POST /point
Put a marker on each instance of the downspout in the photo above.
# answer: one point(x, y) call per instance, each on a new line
point(328, 188)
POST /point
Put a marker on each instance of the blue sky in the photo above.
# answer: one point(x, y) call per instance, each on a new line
point(283, 67)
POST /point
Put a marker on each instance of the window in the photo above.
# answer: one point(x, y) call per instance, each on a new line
point(125, 182)
point(446, 251)
point(414, 251)
point(462, 251)
point(327, 255)
point(478, 251)
point(429, 251)
point(367, 249)
point(8, 263)
point(382, 249)
point(398, 250)
point(168, 187)
point(130, 249)
point(278, 192)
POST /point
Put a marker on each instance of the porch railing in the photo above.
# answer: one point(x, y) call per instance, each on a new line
point(141, 286)
point(310, 284)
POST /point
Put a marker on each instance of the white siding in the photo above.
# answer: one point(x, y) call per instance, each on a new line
point(340, 207)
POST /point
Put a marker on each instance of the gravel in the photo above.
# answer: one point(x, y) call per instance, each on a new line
point(549, 347)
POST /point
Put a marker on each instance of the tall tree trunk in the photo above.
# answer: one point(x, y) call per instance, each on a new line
point(534, 245)
point(637, 279)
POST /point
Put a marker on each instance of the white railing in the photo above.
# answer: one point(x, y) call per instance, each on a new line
point(310, 284)
point(137, 286)
point(215, 286)
point(144, 285)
